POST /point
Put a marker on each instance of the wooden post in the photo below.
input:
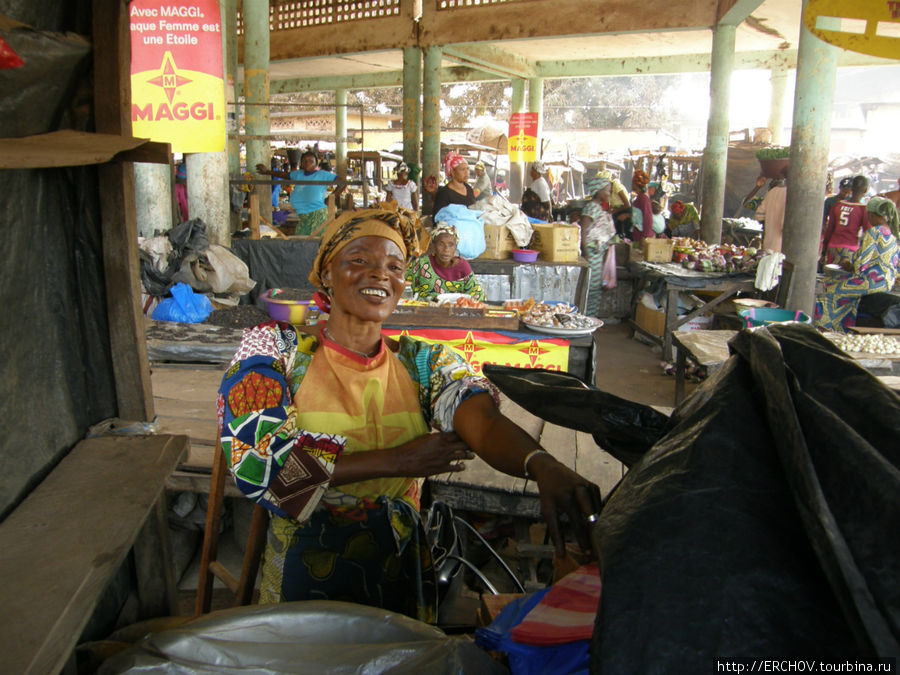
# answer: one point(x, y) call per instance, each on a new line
point(810, 136)
point(412, 104)
point(256, 92)
point(112, 98)
point(517, 169)
point(431, 112)
point(254, 215)
point(715, 155)
point(340, 130)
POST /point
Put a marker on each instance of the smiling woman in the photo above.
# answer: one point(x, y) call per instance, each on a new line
point(330, 432)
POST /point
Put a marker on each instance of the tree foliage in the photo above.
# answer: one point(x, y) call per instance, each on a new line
point(584, 103)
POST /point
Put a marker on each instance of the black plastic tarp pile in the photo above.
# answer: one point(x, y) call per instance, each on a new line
point(762, 522)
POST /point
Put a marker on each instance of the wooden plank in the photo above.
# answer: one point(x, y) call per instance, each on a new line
point(529, 19)
point(597, 465)
point(197, 481)
point(185, 401)
point(67, 539)
point(453, 317)
point(112, 98)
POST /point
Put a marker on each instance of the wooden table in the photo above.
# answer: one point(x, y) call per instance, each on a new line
point(64, 543)
point(677, 279)
point(709, 348)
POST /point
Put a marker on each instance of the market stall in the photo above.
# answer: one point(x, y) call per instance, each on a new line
point(285, 263)
point(675, 279)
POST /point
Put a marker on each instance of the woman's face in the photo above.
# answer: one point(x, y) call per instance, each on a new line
point(308, 163)
point(445, 250)
point(366, 278)
point(401, 176)
point(461, 172)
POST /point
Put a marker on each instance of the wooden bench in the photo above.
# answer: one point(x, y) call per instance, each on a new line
point(65, 541)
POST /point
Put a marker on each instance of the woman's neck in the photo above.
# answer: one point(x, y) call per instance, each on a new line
point(360, 337)
point(457, 186)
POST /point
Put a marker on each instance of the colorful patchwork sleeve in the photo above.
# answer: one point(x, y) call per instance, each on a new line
point(445, 380)
point(281, 467)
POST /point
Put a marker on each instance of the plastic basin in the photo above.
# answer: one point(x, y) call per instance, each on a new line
point(524, 255)
point(762, 316)
point(292, 311)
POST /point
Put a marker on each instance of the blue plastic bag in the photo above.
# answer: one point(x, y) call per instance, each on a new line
point(184, 306)
point(567, 659)
point(469, 226)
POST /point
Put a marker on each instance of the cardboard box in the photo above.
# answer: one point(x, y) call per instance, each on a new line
point(499, 241)
point(658, 250)
point(702, 322)
point(652, 321)
point(557, 242)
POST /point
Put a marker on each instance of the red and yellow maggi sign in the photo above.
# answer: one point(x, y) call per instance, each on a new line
point(177, 88)
point(523, 132)
point(481, 347)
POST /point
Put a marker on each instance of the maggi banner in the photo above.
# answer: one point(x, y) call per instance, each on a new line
point(523, 131)
point(481, 347)
point(177, 90)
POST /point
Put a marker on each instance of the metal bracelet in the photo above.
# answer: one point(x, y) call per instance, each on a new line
point(537, 451)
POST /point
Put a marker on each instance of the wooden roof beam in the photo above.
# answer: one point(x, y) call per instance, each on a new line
point(687, 63)
point(529, 19)
point(491, 59)
point(735, 12)
point(392, 78)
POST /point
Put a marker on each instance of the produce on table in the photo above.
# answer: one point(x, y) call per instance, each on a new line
point(467, 301)
point(556, 315)
point(703, 257)
point(870, 344)
point(778, 152)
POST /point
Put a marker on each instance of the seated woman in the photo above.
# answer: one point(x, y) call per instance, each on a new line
point(874, 268)
point(457, 190)
point(442, 270)
point(684, 221)
point(597, 231)
point(328, 428)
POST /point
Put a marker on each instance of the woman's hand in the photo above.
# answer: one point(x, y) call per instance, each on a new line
point(426, 455)
point(562, 491)
point(431, 454)
point(261, 168)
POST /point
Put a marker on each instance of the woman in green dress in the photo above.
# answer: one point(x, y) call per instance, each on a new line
point(443, 270)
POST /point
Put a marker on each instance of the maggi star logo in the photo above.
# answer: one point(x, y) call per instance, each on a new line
point(168, 78)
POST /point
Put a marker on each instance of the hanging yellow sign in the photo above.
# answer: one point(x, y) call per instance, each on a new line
point(523, 131)
point(867, 26)
point(177, 87)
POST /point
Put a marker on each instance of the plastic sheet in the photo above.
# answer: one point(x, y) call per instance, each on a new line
point(310, 637)
point(760, 524)
point(625, 429)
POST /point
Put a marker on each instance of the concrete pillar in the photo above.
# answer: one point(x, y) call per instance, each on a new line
point(412, 104)
point(207, 182)
point(256, 93)
point(228, 8)
point(778, 80)
point(153, 198)
point(431, 112)
point(810, 138)
point(715, 155)
point(340, 130)
point(517, 169)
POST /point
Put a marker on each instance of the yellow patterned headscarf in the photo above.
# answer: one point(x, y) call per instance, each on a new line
point(397, 224)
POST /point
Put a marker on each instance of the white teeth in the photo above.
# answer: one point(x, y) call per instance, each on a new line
point(374, 291)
